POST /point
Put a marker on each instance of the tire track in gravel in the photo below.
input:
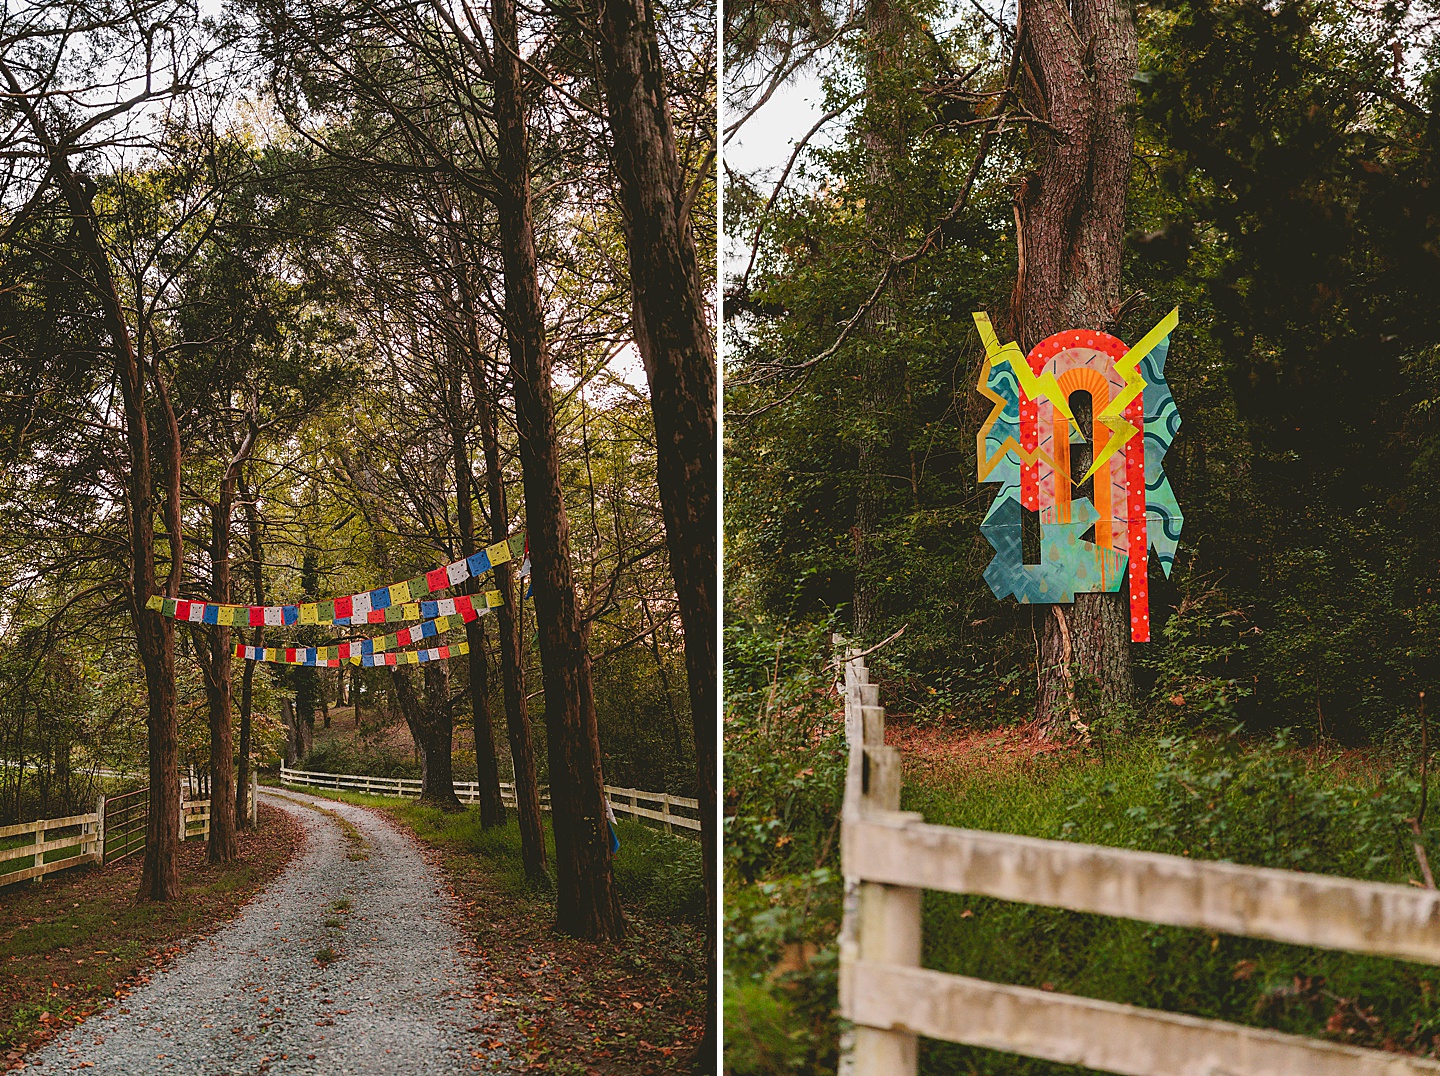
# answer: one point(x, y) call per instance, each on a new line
point(399, 997)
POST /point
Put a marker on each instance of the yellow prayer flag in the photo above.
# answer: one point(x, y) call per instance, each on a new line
point(224, 614)
point(498, 553)
point(493, 598)
point(310, 614)
point(399, 593)
point(155, 601)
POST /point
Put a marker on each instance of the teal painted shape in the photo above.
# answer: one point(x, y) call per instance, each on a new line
point(1068, 563)
point(1163, 520)
point(1001, 380)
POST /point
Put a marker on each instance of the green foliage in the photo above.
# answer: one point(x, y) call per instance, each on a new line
point(1264, 804)
point(784, 777)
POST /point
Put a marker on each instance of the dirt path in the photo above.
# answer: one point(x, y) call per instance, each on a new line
point(349, 962)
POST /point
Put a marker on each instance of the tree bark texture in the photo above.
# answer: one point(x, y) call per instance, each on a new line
point(492, 807)
point(587, 903)
point(677, 346)
point(222, 846)
point(433, 729)
point(1078, 60)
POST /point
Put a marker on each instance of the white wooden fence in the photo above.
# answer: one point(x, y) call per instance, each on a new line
point(195, 814)
point(87, 845)
point(890, 856)
point(624, 800)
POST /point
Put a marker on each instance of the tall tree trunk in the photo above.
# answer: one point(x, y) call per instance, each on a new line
point(1070, 215)
point(222, 846)
point(154, 634)
point(587, 904)
point(433, 729)
point(257, 638)
point(492, 807)
point(677, 346)
point(512, 669)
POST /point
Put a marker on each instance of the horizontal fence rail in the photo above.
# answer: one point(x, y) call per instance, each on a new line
point(36, 844)
point(889, 857)
point(657, 806)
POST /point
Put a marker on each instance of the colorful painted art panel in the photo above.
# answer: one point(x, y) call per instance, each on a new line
point(1087, 544)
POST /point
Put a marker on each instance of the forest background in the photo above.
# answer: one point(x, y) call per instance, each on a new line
point(298, 205)
point(1285, 194)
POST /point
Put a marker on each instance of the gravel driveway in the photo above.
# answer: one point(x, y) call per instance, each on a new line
point(259, 995)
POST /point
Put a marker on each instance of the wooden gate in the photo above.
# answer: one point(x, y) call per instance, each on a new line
point(126, 817)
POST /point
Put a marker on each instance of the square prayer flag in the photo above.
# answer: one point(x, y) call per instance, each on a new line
point(344, 606)
point(436, 580)
point(499, 552)
point(274, 616)
point(457, 572)
point(399, 593)
point(309, 613)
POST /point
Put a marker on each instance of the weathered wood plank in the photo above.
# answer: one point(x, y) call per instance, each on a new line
point(1097, 1034)
point(1258, 902)
point(46, 823)
point(26, 851)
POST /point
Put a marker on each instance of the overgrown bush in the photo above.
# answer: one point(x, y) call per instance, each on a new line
point(784, 779)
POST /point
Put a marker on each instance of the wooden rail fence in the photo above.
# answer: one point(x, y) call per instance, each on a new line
point(890, 857)
point(114, 830)
point(83, 845)
point(628, 801)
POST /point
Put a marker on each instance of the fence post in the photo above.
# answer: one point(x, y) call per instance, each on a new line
point(665, 810)
point(884, 921)
point(39, 847)
point(100, 829)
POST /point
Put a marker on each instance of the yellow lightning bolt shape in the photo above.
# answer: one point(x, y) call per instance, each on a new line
point(1033, 387)
point(1129, 368)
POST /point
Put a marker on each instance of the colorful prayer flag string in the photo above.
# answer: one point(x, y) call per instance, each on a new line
point(299, 655)
point(395, 603)
point(334, 655)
